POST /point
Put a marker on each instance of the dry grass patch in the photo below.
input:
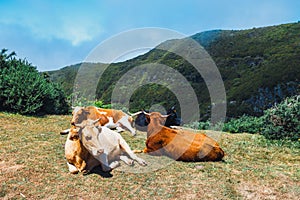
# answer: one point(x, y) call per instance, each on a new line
point(32, 166)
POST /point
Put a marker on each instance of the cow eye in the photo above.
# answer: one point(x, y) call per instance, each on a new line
point(88, 137)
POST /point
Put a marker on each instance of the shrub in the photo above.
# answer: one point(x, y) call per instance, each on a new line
point(198, 125)
point(100, 104)
point(24, 90)
point(245, 123)
point(282, 121)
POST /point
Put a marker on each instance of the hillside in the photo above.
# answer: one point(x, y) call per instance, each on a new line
point(259, 67)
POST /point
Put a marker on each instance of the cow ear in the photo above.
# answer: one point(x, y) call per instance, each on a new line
point(79, 126)
point(148, 119)
point(65, 132)
point(96, 121)
point(99, 128)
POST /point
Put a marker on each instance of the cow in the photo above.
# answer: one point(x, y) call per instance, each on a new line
point(111, 118)
point(106, 145)
point(179, 144)
point(78, 157)
point(172, 119)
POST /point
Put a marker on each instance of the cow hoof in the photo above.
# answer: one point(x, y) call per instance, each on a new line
point(74, 172)
point(106, 169)
point(114, 164)
point(142, 162)
point(85, 172)
point(137, 151)
point(130, 162)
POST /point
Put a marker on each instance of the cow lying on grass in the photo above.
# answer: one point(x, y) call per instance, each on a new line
point(106, 145)
point(88, 146)
point(78, 157)
point(181, 145)
point(110, 118)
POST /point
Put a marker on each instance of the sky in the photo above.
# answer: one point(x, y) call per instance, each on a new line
point(52, 34)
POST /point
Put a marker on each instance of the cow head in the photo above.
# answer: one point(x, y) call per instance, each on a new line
point(156, 118)
point(172, 119)
point(81, 114)
point(141, 121)
point(88, 134)
point(73, 134)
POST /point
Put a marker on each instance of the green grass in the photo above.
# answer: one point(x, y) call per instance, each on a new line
point(32, 166)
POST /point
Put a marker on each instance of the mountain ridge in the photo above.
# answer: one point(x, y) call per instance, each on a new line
point(259, 67)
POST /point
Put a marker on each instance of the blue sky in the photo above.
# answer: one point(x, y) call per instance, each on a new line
point(52, 34)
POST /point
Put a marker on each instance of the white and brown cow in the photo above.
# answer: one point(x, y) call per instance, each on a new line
point(110, 118)
point(106, 145)
point(78, 157)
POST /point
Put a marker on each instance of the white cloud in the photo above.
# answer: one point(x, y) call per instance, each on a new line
point(49, 22)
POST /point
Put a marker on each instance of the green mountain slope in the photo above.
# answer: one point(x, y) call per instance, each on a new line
point(259, 67)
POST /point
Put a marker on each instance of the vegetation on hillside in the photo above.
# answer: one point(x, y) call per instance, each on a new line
point(280, 122)
point(24, 90)
point(259, 67)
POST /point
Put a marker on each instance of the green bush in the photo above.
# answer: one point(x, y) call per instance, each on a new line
point(248, 124)
point(282, 121)
point(24, 90)
point(100, 104)
point(205, 125)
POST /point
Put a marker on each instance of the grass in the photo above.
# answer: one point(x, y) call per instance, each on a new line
point(32, 166)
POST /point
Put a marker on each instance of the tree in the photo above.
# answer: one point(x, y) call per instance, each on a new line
point(24, 90)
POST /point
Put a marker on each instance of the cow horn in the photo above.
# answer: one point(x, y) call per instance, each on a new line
point(65, 132)
point(79, 125)
point(95, 121)
point(164, 116)
point(145, 112)
point(135, 114)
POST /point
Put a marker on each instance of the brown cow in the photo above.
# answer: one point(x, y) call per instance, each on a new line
point(78, 157)
point(178, 144)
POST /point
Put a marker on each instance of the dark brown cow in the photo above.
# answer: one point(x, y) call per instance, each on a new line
point(181, 145)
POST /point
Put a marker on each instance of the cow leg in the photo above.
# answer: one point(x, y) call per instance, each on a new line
point(111, 166)
point(80, 164)
point(125, 147)
point(106, 167)
point(110, 124)
point(127, 160)
point(137, 151)
point(91, 163)
point(104, 162)
point(153, 153)
point(125, 123)
point(72, 168)
point(114, 164)
point(120, 129)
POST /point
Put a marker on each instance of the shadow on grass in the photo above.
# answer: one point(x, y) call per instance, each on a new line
point(98, 170)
